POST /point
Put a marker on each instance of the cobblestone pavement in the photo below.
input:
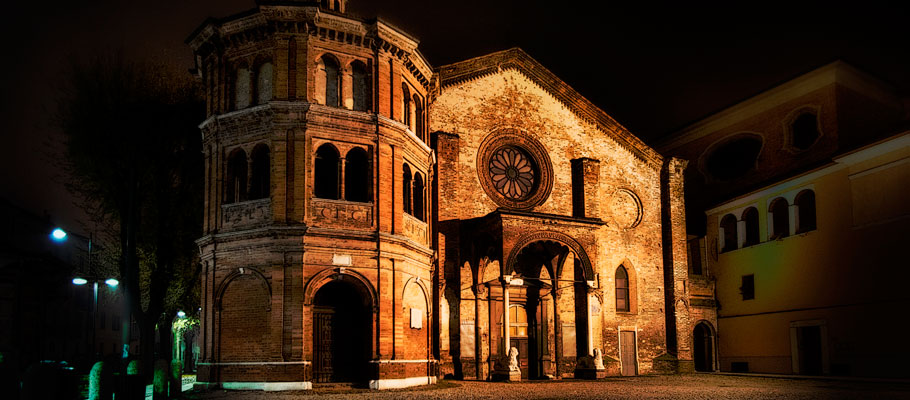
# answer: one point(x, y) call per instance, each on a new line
point(697, 386)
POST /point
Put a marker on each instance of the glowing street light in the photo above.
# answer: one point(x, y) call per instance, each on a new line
point(58, 235)
point(181, 314)
point(82, 281)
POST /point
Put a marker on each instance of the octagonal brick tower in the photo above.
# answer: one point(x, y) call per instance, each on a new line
point(316, 254)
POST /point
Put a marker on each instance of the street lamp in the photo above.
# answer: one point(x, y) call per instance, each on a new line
point(58, 235)
point(80, 281)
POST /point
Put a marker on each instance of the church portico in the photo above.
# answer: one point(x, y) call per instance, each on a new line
point(542, 288)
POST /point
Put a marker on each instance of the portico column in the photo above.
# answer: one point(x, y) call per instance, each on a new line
point(590, 328)
point(341, 174)
point(794, 219)
point(505, 313)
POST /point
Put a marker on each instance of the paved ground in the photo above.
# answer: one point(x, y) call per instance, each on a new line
point(697, 386)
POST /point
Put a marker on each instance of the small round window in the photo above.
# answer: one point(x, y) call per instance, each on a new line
point(734, 158)
point(513, 172)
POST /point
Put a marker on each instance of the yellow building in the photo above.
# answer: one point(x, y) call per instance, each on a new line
point(797, 205)
point(822, 289)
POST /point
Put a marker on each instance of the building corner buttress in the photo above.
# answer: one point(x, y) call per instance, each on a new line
point(673, 221)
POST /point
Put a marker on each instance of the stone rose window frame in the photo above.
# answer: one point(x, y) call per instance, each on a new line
point(513, 172)
point(514, 169)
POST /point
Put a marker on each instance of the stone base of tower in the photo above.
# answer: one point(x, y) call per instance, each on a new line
point(265, 376)
point(384, 374)
point(396, 374)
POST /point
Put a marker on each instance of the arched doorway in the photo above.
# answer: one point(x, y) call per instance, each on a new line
point(703, 347)
point(549, 320)
point(341, 334)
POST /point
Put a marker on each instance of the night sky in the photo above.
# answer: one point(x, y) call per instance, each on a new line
point(653, 68)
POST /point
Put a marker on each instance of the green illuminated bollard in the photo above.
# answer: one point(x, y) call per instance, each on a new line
point(100, 382)
point(135, 385)
point(159, 384)
point(176, 383)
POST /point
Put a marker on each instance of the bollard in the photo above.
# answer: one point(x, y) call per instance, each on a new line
point(135, 382)
point(100, 382)
point(160, 379)
point(176, 382)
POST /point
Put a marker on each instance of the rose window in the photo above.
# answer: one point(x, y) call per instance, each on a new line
point(513, 172)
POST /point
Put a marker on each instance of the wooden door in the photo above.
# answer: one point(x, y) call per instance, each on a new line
point(522, 345)
point(703, 348)
point(322, 335)
point(627, 353)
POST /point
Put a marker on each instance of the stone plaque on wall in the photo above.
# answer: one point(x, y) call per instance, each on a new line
point(416, 318)
point(568, 340)
point(467, 338)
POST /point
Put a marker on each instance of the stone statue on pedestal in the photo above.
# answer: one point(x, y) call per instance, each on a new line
point(513, 359)
point(598, 359)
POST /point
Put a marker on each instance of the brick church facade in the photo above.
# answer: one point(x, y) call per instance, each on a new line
point(372, 219)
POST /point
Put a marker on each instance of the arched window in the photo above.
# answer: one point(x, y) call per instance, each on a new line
point(518, 321)
point(235, 178)
point(264, 83)
point(329, 77)
point(804, 131)
point(361, 86)
point(750, 218)
point(419, 212)
point(356, 175)
point(728, 233)
point(805, 208)
point(780, 218)
point(418, 118)
point(406, 188)
point(259, 179)
point(622, 289)
point(325, 174)
point(733, 157)
point(242, 88)
point(405, 105)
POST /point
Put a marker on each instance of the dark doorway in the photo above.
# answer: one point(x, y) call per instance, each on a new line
point(522, 345)
point(530, 324)
point(341, 334)
point(703, 346)
point(520, 335)
point(809, 342)
point(627, 353)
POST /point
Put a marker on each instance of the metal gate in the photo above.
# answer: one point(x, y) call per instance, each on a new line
point(323, 346)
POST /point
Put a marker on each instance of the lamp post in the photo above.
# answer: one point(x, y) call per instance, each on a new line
point(111, 282)
point(59, 235)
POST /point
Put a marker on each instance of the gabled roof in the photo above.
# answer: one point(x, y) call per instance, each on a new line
point(517, 59)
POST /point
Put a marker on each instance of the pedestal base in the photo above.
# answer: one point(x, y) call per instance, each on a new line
point(506, 376)
point(590, 373)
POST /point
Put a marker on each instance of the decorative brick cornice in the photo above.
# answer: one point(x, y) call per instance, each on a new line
point(517, 59)
point(215, 35)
